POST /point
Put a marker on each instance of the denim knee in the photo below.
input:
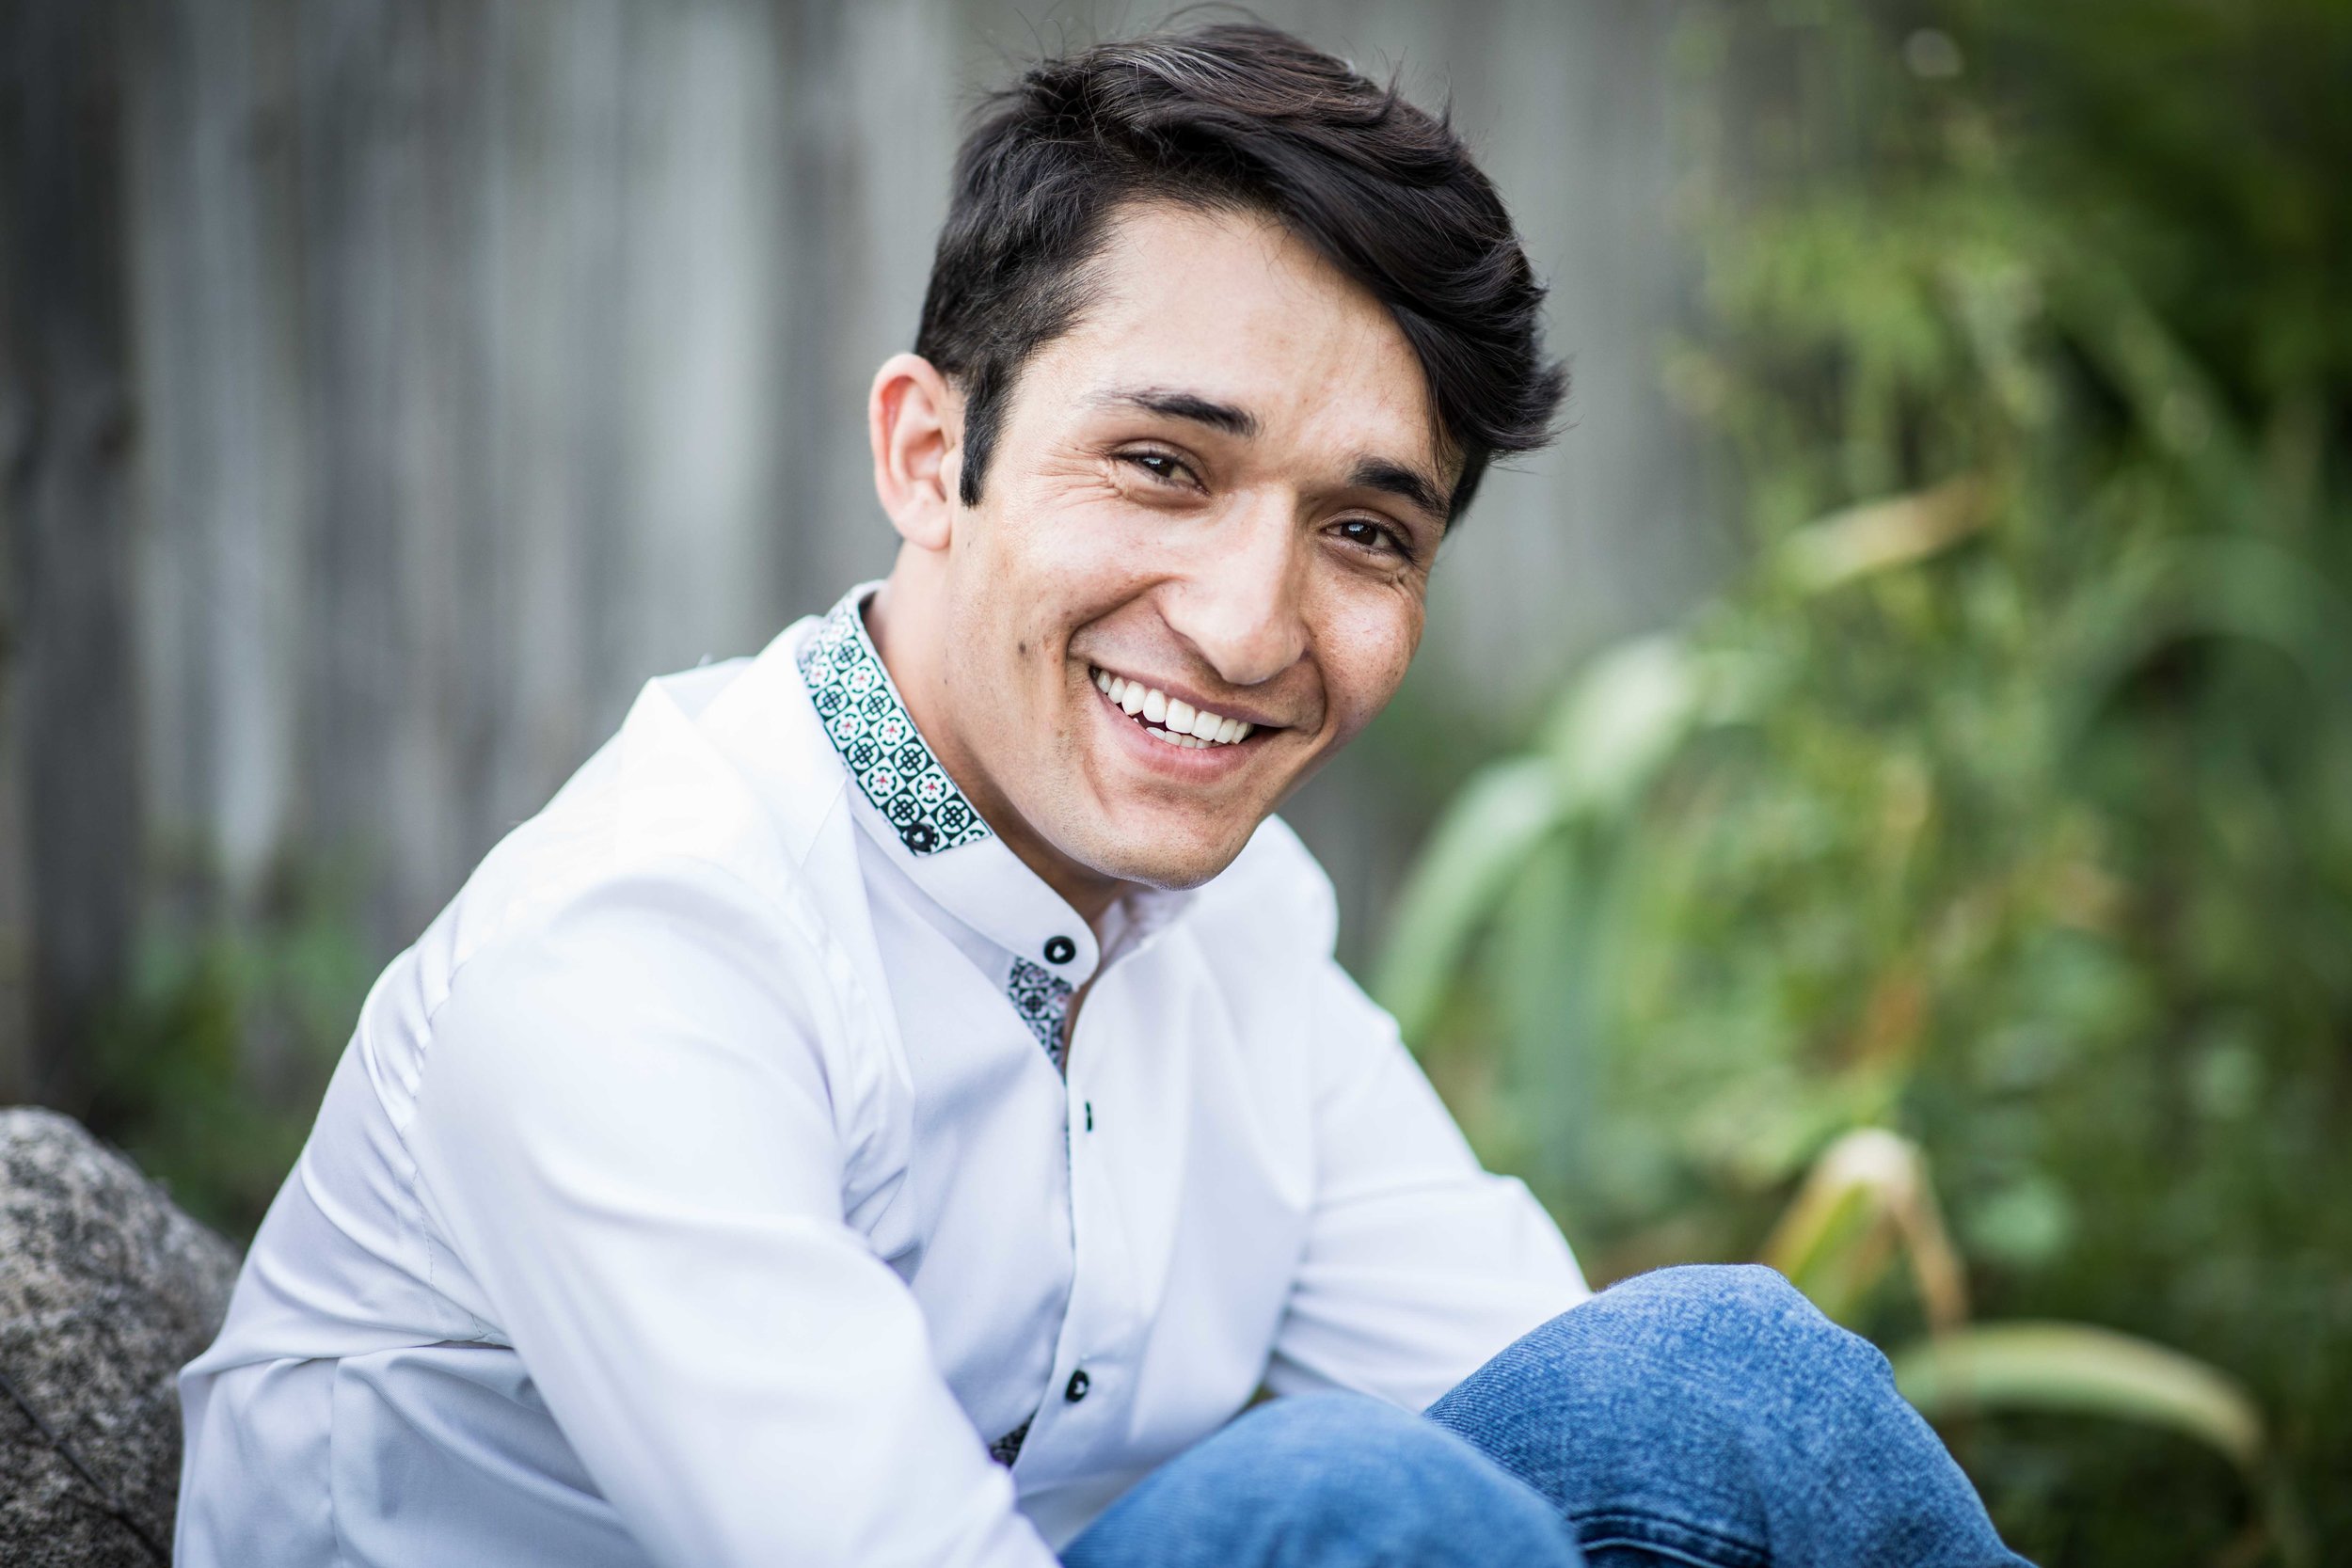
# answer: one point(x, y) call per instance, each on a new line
point(1713, 1414)
point(1337, 1478)
point(1738, 1321)
point(1745, 1318)
point(1695, 1357)
point(1695, 1361)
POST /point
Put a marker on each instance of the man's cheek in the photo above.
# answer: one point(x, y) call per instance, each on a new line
point(1370, 670)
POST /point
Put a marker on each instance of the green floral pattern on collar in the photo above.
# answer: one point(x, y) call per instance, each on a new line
point(877, 738)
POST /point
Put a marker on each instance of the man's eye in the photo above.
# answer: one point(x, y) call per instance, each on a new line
point(1159, 464)
point(1372, 536)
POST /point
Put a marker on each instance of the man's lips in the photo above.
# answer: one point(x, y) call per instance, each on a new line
point(1176, 716)
point(1171, 719)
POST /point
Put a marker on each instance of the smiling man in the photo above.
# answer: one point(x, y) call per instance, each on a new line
point(897, 1104)
point(1188, 562)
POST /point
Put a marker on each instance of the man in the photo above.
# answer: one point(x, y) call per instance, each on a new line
point(897, 1106)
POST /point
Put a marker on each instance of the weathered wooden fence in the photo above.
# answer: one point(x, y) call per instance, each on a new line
point(392, 386)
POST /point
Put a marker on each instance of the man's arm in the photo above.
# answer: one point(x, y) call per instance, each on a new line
point(1419, 1264)
point(625, 1130)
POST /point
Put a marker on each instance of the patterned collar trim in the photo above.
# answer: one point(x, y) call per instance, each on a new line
point(869, 727)
point(1043, 1000)
point(877, 738)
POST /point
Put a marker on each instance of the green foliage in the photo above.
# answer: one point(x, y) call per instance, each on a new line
point(2007, 799)
point(2068, 1367)
point(212, 1071)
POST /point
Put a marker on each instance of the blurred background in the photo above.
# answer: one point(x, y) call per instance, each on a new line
point(1876, 797)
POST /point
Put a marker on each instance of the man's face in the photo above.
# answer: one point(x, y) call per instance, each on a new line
point(1220, 493)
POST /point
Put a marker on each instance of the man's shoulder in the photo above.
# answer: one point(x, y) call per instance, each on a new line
point(693, 789)
point(664, 879)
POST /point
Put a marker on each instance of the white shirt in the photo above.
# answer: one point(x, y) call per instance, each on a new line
point(701, 1189)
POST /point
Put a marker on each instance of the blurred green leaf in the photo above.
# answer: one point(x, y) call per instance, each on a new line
point(2210, 586)
point(1883, 535)
point(1483, 838)
point(1867, 1201)
point(1619, 721)
point(2072, 1368)
point(2078, 1370)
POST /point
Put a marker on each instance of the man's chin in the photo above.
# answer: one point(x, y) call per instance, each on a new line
point(1171, 867)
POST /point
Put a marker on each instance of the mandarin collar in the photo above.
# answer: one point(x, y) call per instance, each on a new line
point(906, 800)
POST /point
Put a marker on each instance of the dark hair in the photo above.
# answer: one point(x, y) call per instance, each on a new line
point(1242, 117)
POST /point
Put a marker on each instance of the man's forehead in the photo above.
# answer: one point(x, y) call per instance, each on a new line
point(1228, 307)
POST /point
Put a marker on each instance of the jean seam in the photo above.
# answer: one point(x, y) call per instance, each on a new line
point(1685, 1542)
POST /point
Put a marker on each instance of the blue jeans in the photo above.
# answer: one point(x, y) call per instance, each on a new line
point(1704, 1416)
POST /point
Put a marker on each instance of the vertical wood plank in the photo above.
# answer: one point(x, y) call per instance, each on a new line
point(68, 507)
point(221, 591)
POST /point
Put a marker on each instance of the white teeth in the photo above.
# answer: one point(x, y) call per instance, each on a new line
point(1171, 719)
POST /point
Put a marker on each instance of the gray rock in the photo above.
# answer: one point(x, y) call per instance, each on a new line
point(105, 1290)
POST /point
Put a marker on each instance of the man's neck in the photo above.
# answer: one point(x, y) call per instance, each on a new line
point(912, 655)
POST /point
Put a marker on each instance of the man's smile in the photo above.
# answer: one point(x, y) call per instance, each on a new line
point(1170, 719)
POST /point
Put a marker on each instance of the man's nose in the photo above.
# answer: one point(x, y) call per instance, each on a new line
point(1240, 600)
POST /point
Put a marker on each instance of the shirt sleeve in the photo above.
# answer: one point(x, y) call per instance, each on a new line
point(624, 1128)
point(1419, 1265)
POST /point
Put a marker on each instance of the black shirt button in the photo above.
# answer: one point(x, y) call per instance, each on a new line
point(1079, 1383)
point(1060, 950)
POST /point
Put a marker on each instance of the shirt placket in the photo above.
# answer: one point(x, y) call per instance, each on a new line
point(1052, 956)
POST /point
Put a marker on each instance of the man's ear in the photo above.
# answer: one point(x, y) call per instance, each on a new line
point(914, 422)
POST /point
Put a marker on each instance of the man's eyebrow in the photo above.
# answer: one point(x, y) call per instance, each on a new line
point(1182, 405)
point(1407, 484)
